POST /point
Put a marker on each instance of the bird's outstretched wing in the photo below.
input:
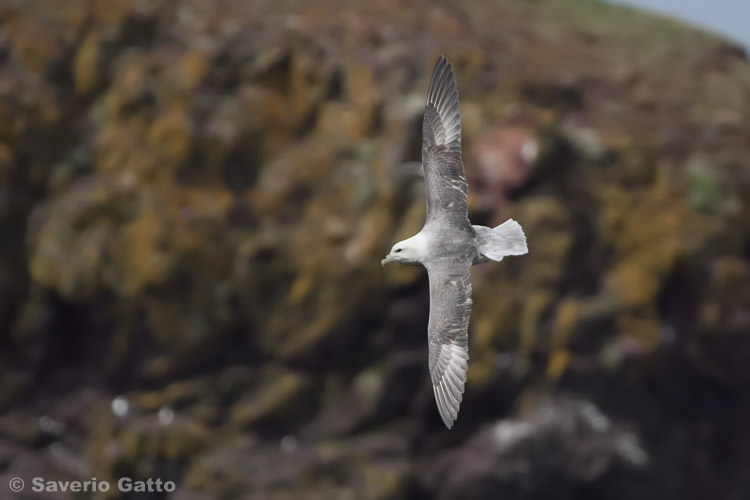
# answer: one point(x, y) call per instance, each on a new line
point(445, 180)
point(450, 306)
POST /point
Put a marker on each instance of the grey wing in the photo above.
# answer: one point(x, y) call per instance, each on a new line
point(450, 306)
point(445, 180)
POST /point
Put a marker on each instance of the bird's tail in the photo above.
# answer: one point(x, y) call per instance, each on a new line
point(506, 239)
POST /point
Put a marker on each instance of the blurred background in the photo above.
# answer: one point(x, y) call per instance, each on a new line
point(195, 197)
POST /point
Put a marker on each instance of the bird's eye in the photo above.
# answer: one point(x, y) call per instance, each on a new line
point(398, 250)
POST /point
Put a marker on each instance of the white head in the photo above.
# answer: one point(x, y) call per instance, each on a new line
point(410, 251)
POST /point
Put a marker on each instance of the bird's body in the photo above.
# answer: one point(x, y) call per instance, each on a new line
point(448, 245)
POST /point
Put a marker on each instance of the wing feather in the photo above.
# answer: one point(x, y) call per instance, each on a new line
point(450, 307)
point(445, 179)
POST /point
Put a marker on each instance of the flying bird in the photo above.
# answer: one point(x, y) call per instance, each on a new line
point(448, 245)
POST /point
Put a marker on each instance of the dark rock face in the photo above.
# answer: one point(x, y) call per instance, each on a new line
point(565, 448)
point(195, 197)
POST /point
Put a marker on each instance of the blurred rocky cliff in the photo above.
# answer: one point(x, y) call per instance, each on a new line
point(195, 197)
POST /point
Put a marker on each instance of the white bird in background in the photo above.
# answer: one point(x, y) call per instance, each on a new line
point(448, 245)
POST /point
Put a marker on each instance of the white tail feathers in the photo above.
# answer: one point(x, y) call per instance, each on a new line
point(506, 239)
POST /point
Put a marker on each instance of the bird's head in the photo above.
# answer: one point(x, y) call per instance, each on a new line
point(410, 251)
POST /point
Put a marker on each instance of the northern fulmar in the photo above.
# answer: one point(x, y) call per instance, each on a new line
point(448, 245)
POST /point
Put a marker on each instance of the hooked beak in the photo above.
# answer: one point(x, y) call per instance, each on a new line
point(385, 261)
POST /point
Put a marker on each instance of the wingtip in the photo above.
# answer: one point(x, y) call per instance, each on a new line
point(441, 63)
point(448, 411)
point(448, 421)
point(443, 95)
